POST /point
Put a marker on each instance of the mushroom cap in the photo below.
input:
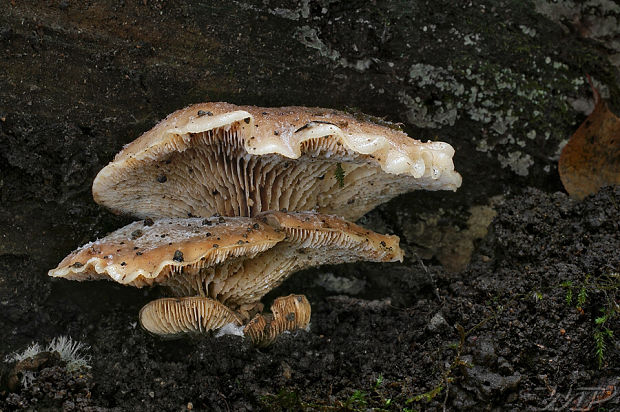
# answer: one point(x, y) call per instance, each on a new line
point(241, 160)
point(234, 260)
point(143, 253)
point(311, 239)
point(177, 316)
point(289, 313)
point(319, 231)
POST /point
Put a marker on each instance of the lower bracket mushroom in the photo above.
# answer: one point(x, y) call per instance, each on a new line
point(226, 265)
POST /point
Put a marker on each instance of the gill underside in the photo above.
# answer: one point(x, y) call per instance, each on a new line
point(216, 175)
point(241, 281)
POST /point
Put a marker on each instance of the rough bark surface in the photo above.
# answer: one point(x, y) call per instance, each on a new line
point(503, 82)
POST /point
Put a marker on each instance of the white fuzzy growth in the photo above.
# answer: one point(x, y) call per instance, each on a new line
point(28, 378)
point(229, 329)
point(68, 349)
point(29, 352)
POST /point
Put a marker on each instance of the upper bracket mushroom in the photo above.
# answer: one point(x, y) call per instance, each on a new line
point(241, 160)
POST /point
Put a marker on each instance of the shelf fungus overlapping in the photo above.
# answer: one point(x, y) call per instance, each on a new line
point(226, 265)
point(276, 183)
point(241, 160)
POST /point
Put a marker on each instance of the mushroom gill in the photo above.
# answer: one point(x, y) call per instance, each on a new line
point(174, 316)
point(311, 239)
point(241, 160)
point(289, 313)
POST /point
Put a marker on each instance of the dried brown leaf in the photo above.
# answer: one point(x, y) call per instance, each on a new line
point(591, 158)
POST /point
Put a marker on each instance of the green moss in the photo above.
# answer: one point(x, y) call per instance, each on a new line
point(284, 400)
point(609, 286)
point(339, 175)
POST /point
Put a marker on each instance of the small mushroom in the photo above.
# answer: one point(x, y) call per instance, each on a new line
point(289, 313)
point(245, 160)
point(172, 317)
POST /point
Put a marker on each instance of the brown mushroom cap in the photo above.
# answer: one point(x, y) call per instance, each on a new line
point(233, 260)
point(174, 316)
point(313, 230)
point(141, 254)
point(288, 313)
point(241, 160)
point(311, 239)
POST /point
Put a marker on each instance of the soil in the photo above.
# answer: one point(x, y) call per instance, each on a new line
point(530, 323)
point(502, 333)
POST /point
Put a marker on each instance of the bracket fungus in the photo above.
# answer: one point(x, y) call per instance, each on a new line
point(222, 267)
point(247, 162)
point(242, 160)
point(142, 254)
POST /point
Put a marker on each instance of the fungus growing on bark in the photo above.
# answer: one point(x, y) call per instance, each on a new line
point(241, 160)
point(234, 261)
point(288, 313)
point(308, 239)
point(174, 317)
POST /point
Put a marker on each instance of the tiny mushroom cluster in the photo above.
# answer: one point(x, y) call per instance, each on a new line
point(236, 199)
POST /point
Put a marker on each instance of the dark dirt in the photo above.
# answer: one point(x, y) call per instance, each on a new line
point(517, 329)
point(524, 345)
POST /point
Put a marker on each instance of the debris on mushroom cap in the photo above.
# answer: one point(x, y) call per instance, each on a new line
point(311, 239)
point(242, 160)
point(177, 316)
point(140, 255)
point(236, 262)
point(314, 230)
point(289, 313)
